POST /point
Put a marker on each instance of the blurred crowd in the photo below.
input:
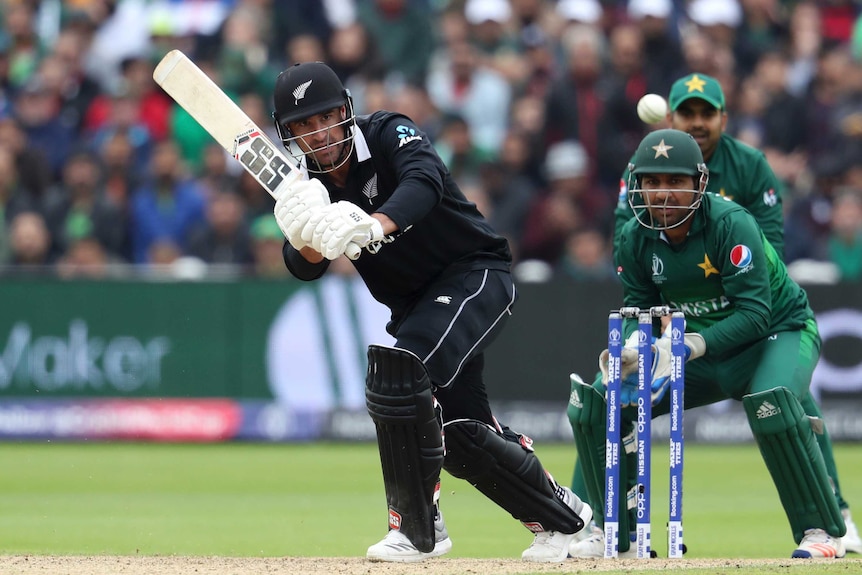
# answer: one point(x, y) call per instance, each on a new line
point(531, 104)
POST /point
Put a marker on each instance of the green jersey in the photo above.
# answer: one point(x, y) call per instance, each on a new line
point(726, 277)
point(738, 172)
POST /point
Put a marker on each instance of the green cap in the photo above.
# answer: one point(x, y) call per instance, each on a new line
point(700, 86)
point(266, 228)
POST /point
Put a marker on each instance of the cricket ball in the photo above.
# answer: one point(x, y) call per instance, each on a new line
point(652, 108)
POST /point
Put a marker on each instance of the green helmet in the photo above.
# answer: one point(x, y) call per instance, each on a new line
point(666, 152)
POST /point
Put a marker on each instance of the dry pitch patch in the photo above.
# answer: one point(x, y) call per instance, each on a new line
point(139, 565)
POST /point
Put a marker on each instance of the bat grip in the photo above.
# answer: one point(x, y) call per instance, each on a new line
point(353, 251)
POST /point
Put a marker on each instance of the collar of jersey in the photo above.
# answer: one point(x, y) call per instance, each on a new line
point(362, 151)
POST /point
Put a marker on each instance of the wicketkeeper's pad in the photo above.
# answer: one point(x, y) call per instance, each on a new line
point(793, 457)
point(588, 413)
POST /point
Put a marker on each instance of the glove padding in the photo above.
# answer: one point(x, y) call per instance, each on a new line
point(295, 207)
point(660, 373)
point(331, 229)
point(629, 362)
point(695, 347)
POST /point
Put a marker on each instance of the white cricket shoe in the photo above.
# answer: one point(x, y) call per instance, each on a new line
point(593, 546)
point(553, 546)
point(397, 548)
point(818, 544)
point(852, 541)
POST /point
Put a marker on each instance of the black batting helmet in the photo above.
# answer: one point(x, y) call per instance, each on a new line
point(302, 91)
point(306, 89)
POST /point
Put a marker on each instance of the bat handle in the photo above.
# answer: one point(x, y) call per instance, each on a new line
point(353, 251)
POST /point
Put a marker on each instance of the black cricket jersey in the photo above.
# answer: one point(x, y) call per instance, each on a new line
point(395, 170)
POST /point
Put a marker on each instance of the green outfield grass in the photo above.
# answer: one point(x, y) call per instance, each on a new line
point(327, 500)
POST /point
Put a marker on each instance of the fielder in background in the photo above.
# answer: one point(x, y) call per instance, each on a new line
point(434, 261)
point(750, 336)
point(741, 173)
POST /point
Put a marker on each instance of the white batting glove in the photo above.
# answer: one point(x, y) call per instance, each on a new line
point(294, 208)
point(343, 223)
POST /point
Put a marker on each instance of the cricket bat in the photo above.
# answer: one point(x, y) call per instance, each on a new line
point(198, 95)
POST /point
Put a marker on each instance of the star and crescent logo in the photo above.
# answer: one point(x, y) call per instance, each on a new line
point(661, 149)
point(695, 84)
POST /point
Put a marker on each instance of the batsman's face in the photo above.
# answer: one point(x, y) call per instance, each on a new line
point(321, 136)
point(703, 121)
point(669, 198)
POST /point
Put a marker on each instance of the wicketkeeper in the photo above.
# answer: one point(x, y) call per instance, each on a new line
point(751, 336)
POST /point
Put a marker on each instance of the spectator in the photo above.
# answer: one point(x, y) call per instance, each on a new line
point(30, 242)
point(399, 28)
point(805, 44)
point(305, 47)
point(291, 18)
point(164, 209)
point(120, 176)
point(25, 47)
point(266, 243)
point(356, 59)
point(587, 256)
point(564, 208)
point(78, 208)
point(619, 124)
point(662, 53)
point(14, 198)
point(257, 200)
point(218, 173)
point(494, 38)
point(223, 237)
point(509, 188)
point(151, 106)
point(575, 100)
point(539, 63)
point(455, 147)
point(123, 117)
point(33, 171)
point(479, 94)
point(63, 72)
point(37, 112)
point(844, 244)
point(121, 30)
point(243, 59)
point(86, 258)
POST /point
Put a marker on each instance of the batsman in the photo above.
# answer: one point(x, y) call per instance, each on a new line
point(750, 336)
point(443, 272)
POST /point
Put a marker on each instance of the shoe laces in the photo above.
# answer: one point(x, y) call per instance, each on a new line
point(543, 537)
point(816, 536)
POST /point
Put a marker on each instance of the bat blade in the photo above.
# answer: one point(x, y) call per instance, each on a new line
point(198, 95)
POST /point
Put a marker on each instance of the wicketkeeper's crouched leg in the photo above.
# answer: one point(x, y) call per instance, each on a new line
point(787, 443)
point(587, 412)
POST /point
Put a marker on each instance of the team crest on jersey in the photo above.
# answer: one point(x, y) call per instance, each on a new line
point(406, 135)
point(369, 190)
point(657, 270)
point(740, 256)
point(770, 198)
point(707, 267)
